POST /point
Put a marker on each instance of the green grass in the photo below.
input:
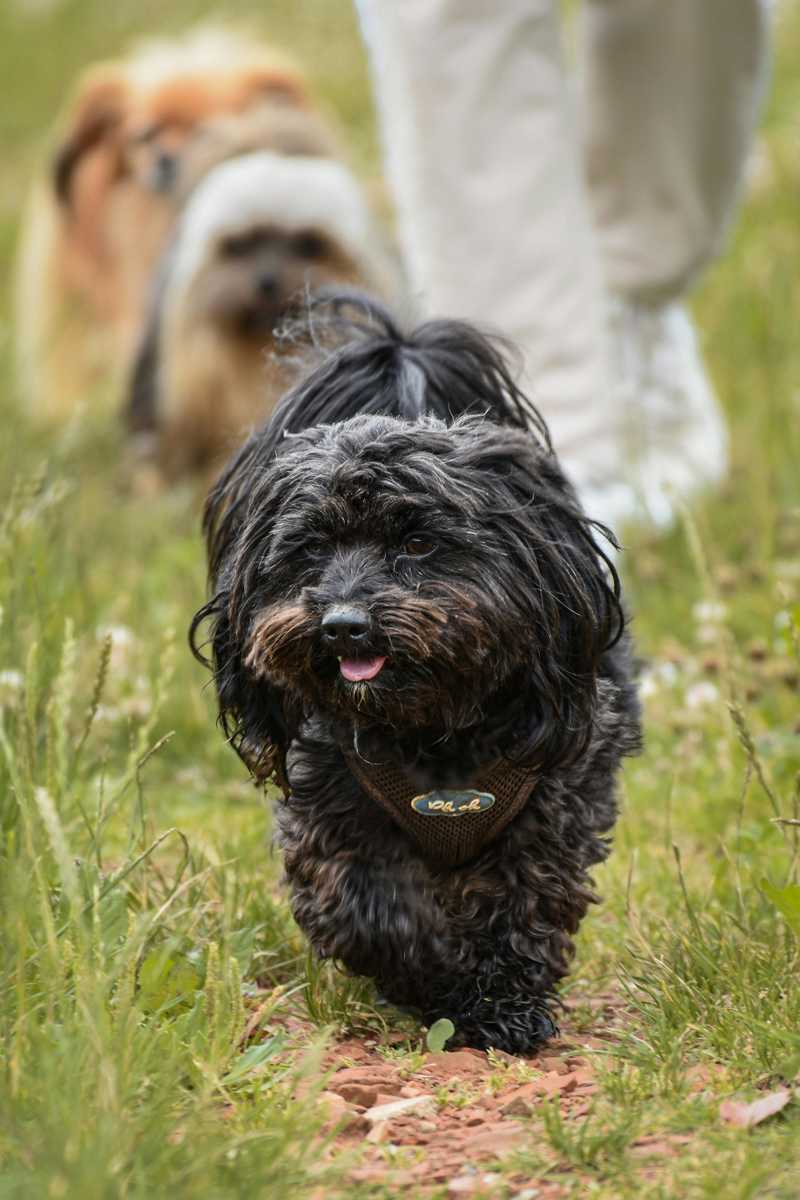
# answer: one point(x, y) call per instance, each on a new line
point(142, 927)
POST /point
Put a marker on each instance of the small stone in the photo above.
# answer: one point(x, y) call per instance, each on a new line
point(519, 1105)
point(553, 1064)
point(458, 1062)
point(379, 1132)
point(386, 1112)
point(361, 1085)
point(523, 1100)
point(581, 1078)
point(511, 1060)
point(374, 1075)
point(340, 1115)
point(352, 1049)
point(471, 1185)
point(357, 1093)
point(496, 1140)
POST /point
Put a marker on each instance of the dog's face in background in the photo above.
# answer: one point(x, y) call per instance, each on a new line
point(140, 134)
point(255, 273)
point(132, 123)
point(257, 234)
point(377, 579)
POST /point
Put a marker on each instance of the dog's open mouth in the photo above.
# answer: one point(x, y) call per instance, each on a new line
point(359, 670)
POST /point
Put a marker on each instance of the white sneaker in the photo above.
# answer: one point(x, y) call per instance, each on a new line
point(674, 438)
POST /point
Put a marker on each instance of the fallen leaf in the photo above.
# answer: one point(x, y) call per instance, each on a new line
point(744, 1116)
point(439, 1034)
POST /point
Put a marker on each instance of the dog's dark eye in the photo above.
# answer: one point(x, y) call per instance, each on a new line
point(308, 245)
point(418, 547)
point(316, 550)
point(149, 133)
point(238, 245)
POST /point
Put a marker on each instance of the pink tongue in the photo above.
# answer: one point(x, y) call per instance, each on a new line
point(356, 669)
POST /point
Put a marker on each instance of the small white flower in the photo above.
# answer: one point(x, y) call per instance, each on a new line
point(120, 634)
point(123, 640)
point(136, 706)
point(700, 694)
point(10, 685)
point(709, 612)
point(657, 677)
point(707, 635)
point(107, 714)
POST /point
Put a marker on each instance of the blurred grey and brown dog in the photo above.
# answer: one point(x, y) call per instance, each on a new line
point(257, 235)
point(138, 136)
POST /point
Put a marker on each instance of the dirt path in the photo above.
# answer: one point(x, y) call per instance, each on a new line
point(440, 1121)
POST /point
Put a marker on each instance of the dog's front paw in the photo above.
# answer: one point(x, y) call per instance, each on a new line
point(516, 1027)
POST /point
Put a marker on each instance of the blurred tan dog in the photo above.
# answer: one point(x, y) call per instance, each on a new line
point(140, 132)
point(256, 235)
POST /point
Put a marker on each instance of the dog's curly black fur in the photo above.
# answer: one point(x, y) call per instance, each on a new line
point(407, 476)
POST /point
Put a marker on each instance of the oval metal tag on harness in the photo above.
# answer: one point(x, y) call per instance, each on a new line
point(487, 803)
point(452, 803)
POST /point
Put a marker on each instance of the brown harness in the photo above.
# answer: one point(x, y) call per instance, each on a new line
point(450, 826)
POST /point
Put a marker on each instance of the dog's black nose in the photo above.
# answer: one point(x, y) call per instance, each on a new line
point(342, 627)
point(165, 172)
point(268, 283)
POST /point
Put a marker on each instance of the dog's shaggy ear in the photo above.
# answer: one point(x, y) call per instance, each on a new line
point(259, 721)
point(562, 562)
point(141, 401)
point(256, 719)
point(141, 409)
point(98, 112)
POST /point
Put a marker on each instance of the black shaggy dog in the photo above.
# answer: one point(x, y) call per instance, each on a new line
point(417, 634)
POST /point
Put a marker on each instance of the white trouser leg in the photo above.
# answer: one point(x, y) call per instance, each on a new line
point(494, 211)
point(483, 158)
point(671, 93)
